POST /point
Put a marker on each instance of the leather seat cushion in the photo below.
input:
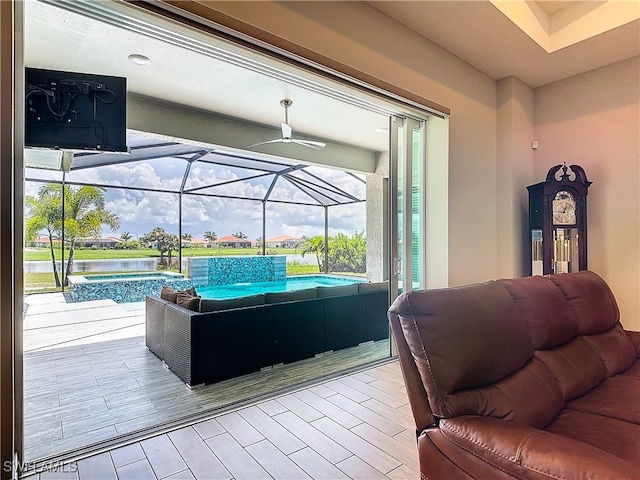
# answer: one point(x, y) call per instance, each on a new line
point(617, 437)
point(616, 397)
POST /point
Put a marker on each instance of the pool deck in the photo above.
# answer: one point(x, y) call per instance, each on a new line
point(88, 376)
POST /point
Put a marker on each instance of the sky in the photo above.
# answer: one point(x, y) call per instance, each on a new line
point(141, 211)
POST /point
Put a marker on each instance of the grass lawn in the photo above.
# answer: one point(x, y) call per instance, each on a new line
point(44, 282)
point(31, 254)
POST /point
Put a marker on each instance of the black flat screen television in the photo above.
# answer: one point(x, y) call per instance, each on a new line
point(75, 111)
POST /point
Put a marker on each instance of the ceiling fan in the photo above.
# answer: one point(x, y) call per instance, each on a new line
point(287, 132)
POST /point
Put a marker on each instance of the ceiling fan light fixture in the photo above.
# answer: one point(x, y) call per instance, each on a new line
point(286, 135)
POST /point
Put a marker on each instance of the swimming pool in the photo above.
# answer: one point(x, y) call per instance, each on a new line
point(236, 290)
point(124, 287)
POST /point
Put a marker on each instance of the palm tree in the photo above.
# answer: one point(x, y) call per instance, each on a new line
point(84, 215)
point(240, 235)
point(44, 213)
point(314, 245)
point(210, 237)
point(187, 236)
point(125, 237)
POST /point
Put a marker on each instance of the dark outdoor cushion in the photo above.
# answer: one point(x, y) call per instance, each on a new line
point(189, 301)
point(212, 305)
point(169, 294)
point(190, 291)
point(373, 287)
point(337, 290)
point(290, 296)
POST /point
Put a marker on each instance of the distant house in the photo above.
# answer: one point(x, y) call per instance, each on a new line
point(286, 241)
point(41, 242)
point(198, 242)
point(102, 242)
point(231, 241)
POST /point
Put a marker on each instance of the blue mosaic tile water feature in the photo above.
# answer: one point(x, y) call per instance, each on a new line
point(124, 288)
point(209, 271)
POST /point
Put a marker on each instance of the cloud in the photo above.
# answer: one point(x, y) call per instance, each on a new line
point(140, 211)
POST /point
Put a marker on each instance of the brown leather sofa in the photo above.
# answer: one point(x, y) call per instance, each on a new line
point(530, 378)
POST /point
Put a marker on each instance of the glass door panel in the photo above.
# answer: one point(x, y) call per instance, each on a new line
point(407, 175)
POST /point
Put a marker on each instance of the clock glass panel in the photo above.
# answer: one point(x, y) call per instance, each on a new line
point(564, 208)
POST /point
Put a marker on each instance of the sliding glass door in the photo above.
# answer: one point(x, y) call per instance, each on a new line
point(407, 179)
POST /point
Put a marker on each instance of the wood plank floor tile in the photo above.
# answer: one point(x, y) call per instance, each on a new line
point(272, 407)
point(276, 463)
point(357, 468)
point(140, 470)
point(327, 408)
point(347, 391)
point(58, 474)
point(163, 456)
point(321, 390)
point(317, 440)
point(239, 428)
point(80, 424)
point(373, 392)
point(235, 458)
point(367, 416)
point(300, 408)
point(204, 465)
point(398, 449)
point(375, 457)
point(127, 454)
point(184, 475)
point(269, 440)
point(398, 415)
point(97, 467)
point(316, 466)
point(208, 428)
point(403, 472)
point(272, 430)
point(364, 377)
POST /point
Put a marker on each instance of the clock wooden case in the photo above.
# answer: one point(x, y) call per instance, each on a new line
point(558, 221)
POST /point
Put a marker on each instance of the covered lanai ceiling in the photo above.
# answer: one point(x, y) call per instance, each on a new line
point(218, 173)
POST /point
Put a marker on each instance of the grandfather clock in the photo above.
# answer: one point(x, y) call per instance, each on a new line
point(558, 221)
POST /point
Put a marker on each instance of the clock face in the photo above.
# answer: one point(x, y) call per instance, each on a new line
point(564, 209)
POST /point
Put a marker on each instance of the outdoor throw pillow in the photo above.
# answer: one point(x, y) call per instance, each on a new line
point(169, 294)
point(189, 291)
point(188, 301)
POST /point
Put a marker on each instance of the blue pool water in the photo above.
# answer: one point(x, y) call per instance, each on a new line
point(125, 276)
point(235, 290)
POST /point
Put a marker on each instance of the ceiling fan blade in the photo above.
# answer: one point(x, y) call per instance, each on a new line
point(277, 140)
point(286, 130)
point(310, 144)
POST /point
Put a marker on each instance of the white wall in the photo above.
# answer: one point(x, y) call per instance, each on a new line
point(593, 120)
point(514, 111)
point(381, 47)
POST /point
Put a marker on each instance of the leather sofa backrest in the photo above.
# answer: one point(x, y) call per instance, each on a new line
point(554, 329)
point(474, 354)
point(598, 315)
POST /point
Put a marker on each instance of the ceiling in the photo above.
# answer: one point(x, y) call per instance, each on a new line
point(538, 42)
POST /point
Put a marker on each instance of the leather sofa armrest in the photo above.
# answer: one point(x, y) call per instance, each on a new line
point(527, 452)
point(635, 340)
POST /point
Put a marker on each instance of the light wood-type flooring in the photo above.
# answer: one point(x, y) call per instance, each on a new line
point(88, 378)
point(358, 426)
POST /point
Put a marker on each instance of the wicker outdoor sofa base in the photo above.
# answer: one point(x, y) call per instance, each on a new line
point(202, 348)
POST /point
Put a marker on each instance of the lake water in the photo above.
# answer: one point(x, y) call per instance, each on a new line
point(129, 264)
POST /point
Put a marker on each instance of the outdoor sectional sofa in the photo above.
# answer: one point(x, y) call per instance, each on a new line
point(229, 338)
point(530, 378)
